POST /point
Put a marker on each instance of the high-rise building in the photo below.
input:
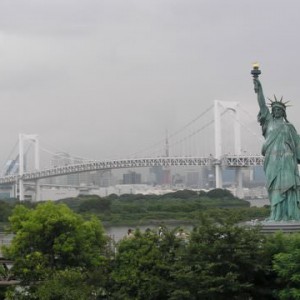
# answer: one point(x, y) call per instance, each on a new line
point(101, 178)
point(63, 159)
point(193, 179)
point(132, 178)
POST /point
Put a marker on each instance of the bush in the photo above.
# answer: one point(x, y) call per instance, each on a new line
point(95, 205)
point(219, 193)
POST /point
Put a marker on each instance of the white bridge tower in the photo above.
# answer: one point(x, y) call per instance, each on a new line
point(220, 106)
point(32, 138)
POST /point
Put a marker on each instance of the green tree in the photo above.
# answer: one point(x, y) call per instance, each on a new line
point(222, 262)
point(143, 266)
point(68, 284)
point(287, 266)
point(181, 194)
point(95, 204)
point(219, 193)
point(5, 210)
point(50, 239)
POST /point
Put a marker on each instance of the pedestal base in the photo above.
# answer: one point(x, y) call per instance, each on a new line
point(272, 226)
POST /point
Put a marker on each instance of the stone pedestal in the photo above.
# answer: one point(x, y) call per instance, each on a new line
point(272, 226)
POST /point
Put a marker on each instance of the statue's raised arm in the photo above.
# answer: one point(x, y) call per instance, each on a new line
point(258, 88)
point(264, 113)
point(260, 94)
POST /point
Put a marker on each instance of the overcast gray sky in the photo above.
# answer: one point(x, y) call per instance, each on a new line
point(103, 78)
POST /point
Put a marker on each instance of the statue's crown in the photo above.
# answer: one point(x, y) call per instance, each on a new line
point(280, 103)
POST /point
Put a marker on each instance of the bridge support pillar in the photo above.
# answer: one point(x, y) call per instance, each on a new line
point(219, 179)
point(21, 190)
point(239, 183)
point(37, 191)
point(15, 190)
point(22, 139)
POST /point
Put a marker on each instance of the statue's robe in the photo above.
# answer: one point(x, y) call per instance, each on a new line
point(282, 153)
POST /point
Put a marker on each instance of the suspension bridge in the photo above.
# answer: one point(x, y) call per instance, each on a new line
point(200, 142)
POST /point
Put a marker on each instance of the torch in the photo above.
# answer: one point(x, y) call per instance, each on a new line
point(255, 73)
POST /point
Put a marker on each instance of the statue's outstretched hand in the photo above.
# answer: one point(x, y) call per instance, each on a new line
point(257, 85)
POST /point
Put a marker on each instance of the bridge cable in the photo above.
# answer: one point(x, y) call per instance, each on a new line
point(64, 157)
point(198, 130)
point(193, 133)
point(191, 122)
point(63, 151)
point(248, 114)
point(248, 129)
point(159, 143)
point(9, 156)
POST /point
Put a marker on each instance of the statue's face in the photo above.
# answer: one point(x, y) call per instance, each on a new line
point(277, 112)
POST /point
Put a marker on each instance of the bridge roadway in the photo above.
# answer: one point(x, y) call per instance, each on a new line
point(226, 161)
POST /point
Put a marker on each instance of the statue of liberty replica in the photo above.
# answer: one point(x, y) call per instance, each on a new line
point(281, 150)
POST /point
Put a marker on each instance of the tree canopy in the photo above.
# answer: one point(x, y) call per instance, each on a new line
point(51, 239)
point(59, 254)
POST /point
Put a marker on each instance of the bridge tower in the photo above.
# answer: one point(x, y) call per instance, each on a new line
point(32, 138)
point(167, 170)
point(219, 106)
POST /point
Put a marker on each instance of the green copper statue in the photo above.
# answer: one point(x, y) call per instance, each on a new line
point(281, 150)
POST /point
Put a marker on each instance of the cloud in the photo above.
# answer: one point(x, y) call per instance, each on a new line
point(105, 78)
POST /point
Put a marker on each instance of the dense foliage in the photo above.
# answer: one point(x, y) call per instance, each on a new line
point(51, 244)
point(215, 262)
point(287, 265)
point(60, 250)
point(184, 206)
point(59, 255)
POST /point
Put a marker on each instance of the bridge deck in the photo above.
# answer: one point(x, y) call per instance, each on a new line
point(227, 161)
